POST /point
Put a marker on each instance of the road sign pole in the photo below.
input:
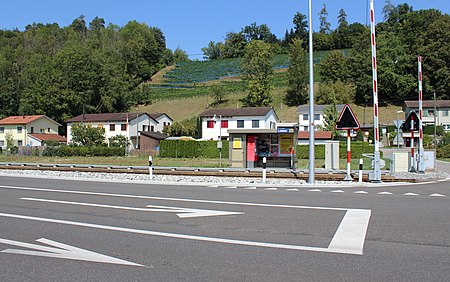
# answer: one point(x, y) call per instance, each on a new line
point(348, 177)
point(421, 164)
point(413, 167)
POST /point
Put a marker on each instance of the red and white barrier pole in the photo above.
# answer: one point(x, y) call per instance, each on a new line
point(348, 177)
point(375, 176)
point(421, 164)
point(413, 166)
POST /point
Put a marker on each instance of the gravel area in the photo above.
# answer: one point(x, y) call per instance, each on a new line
point(203, 180)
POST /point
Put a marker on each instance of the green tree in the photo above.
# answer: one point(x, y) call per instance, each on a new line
point(217, 91)
point(297, 92)
point(324, 23)
point(180, 56)
point(213, 51)
point(334, 67)
point(256, 67)
point(335, 92)
point(87, 135)
point(330, 116)
point(119, 141)
point(234, 46)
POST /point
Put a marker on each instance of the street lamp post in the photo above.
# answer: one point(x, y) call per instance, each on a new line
point(311, 178)
point(398, 129)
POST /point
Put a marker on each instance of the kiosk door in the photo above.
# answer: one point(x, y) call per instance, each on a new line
point(251, 151)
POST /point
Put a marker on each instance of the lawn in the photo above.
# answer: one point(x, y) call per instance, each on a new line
point(163, 162)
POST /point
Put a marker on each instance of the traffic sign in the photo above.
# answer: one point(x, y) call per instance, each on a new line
point(347, 119)
point(398, 123)
point(407, 124)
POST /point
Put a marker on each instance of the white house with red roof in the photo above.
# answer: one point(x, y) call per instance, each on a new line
point(22, 128)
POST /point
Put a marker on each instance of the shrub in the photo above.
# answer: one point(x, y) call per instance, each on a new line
point(443, 152)
point(191, 149)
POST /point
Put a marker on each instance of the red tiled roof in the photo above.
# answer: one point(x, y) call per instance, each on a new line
point(46, 137)
point(105, 117)
point(20, 119)
point(317, 135)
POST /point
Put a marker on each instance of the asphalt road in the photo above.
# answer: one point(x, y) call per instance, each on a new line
point(97, 231)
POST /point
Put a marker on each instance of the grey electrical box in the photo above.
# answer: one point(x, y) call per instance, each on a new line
point(332, 155)
point(400, 162)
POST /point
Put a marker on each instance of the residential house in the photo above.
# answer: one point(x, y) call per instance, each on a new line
point(442, 114)
point(126, 124)
point(22, 128)
point(163, 120)
point(38, 139)
point(217, 122)
point(303, 116)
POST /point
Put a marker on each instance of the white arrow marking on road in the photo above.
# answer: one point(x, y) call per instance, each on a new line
point(181, 212)
point(293, 189)
point(250, 188)
point(437, 195)
point(361, 192)
point(271, 189)
point(385, 193)
point(61, 251)
point(337, 191)
point(410, 194)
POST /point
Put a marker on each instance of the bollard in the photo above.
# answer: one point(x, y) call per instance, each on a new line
point(360, 170)
point(150, 167)
point(264, 169)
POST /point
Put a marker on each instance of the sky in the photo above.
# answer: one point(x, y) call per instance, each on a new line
point(191, 25)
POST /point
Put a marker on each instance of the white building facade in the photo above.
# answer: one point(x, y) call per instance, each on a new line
point(217, 122)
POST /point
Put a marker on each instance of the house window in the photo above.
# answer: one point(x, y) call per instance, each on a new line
point(210, 124)
point(445, 113)
point(2, 143)
point(224, 123)
point(49, 130)
point(446, 126)
point(430, 113)
point(152, 128)
point(2, 129)
point(240, 123)
point(316, 116)
point(19, 129)
point(32, 130)
point(305, 117)
point(19, 143)
point(255, 123)
point(112, 127)
point(305, 128)
point(41, 130)
point(123, 127)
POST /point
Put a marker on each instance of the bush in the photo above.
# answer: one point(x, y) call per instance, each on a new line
point(81, 151)
point(357, 149)
point(443, 152)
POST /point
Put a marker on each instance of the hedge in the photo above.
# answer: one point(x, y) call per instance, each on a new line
point(191, 149)
point(357, 149)
point(69, 151)
point(443, 152)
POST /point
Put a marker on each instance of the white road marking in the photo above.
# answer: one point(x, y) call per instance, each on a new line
point(293, 189)
point(339, 243)
point(410, 194)
point(271, 189)
point(385, 193)
point(250, 188)
point(230, 187)
point(315, 190)
point(61, 251)
point(437, 195)
point(361, 192)
point(261, 244)
point(181, 212)
point(337, 191)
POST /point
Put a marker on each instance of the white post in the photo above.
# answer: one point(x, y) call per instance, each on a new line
point(264, 169)
point(360, 170)
point(421, 165)
point(150, 167)
point(311, 178)
point(413, 167)
point(348, 177)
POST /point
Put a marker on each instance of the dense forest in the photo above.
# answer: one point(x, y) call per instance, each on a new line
point(65, 71)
